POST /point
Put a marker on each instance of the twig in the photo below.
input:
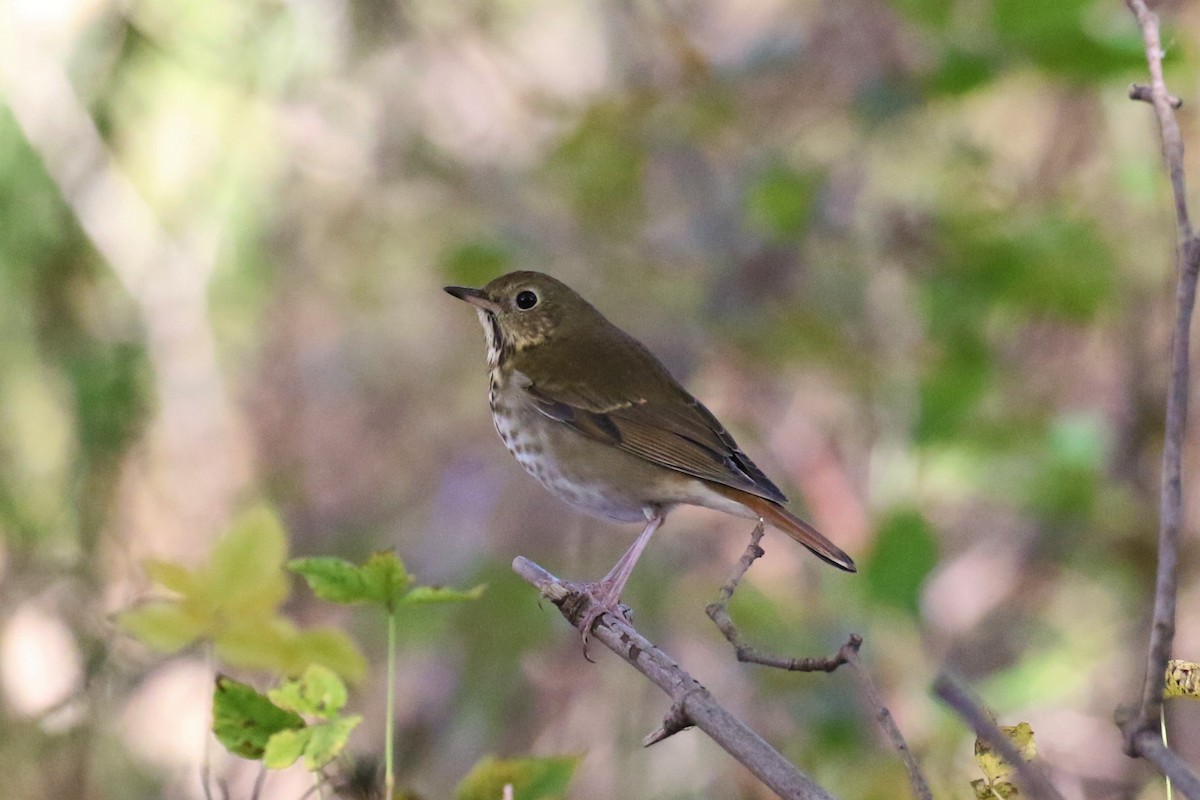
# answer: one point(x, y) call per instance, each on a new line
point(1140, 91)
point(718, 612)
point(696, 705)
point(1141, 738)
point(960, 699)
point(916, 780)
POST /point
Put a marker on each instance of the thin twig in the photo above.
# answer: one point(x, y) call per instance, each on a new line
point(1031, 779)
point(916, 779)
point(718, 612)
point(1141, 737)
point(695, 702)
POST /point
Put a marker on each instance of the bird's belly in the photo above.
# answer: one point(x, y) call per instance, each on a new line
point(595, 478)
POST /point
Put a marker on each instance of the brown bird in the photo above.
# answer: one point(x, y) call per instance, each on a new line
point(599, 421)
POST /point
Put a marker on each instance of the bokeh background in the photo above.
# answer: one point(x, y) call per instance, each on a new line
point(916, 254)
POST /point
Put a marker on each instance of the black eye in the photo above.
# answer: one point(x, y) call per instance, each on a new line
point(526, 300)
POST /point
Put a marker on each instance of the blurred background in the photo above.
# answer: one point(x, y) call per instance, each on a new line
point(916, 254)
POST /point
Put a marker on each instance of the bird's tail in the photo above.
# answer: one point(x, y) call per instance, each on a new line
point(789, 523)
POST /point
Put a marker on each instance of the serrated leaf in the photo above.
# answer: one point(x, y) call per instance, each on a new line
point(318, 692)
point(530, 778)
point(284, 747)
point(386, 578)
point(382, 579)
point(328, 740)
point(244, 720)
point(333, 579)
point(423, 595)
point(995, 769)
point(162, 625)
point(1183, 679)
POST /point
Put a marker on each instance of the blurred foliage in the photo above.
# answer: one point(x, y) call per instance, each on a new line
point(916, 254)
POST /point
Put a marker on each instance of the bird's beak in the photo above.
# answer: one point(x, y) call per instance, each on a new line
point(475, 297)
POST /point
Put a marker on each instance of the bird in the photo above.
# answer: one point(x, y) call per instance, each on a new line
point(595, 417)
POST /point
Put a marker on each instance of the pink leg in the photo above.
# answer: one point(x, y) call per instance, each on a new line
point(607, 591)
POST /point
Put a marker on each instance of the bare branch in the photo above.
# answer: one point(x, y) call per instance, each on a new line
point(955, 695)
point(694, 702)
point(1150, 747)
point(1140, 728)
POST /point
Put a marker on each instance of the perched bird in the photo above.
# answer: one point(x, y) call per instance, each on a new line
point(592, 415)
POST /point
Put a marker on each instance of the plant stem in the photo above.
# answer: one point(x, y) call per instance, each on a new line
point(389, 776)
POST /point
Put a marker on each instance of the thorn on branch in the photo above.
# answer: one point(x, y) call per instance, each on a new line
point(676, 720)
point(1143, 93)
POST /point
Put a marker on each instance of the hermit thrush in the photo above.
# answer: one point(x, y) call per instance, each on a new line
point(599, 421)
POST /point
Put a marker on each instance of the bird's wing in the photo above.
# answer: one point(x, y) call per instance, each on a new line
point(662, 424)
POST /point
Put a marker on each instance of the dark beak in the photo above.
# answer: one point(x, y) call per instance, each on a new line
point(475, 297)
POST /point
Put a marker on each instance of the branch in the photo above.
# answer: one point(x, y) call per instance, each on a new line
point(1140, 728)
point(693, 704)
point(718, 612)
point(960, 699)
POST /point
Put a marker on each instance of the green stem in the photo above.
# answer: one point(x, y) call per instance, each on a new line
point(389, 776)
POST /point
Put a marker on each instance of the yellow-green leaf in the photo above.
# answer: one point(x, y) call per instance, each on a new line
point(245, 571)
point(169, 575)
point(382, 579)
point(162, 625)
point(284, 747)
point(318, 692)
point(328, 739)
point(1183, 679)
point(995, 769)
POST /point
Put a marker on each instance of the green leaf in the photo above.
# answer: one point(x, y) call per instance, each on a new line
point(284, 747)
point(904, 553)
point(318, 692)
point(244, 720)
point(382, 579)
point(328, 740)
point(531, 778)
point(162, 625)
point(428, 595)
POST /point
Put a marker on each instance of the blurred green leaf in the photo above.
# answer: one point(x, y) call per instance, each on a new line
point(245, 571)
point(476, 263)
point(904, 553)
point(1062, 37)
point(275, 644)
point(959, 72)
point(530, 778)
point(244, 720)
point(781, 201)
point(328, 739)
point(934, 13)
point(164, 626)
point(600, 163)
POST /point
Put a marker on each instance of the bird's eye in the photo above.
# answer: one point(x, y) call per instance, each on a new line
point(526, 300)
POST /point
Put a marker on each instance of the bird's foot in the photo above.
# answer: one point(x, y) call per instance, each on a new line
point(604, 601)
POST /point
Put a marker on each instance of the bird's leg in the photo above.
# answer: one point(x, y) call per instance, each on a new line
point(606, 592)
